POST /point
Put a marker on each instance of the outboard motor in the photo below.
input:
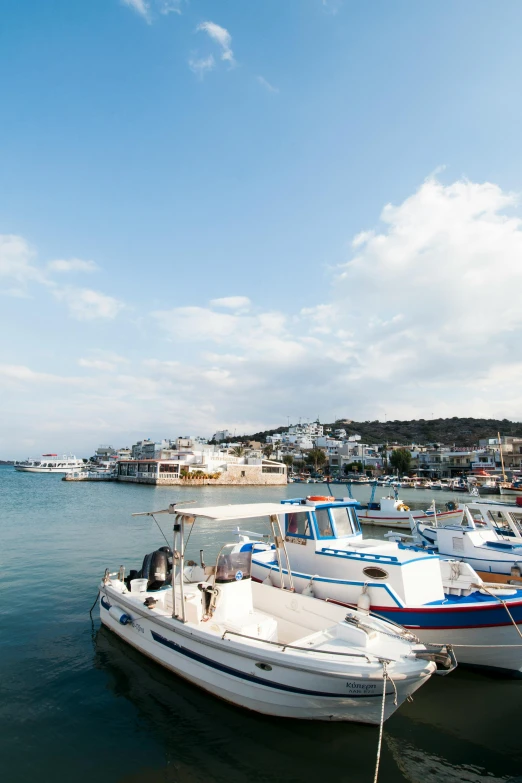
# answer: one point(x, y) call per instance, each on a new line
point(157, 568)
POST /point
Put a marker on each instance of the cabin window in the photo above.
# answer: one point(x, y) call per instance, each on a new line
point(343, 520)
point(375, 573)
point(298, 524)
point(324, 523)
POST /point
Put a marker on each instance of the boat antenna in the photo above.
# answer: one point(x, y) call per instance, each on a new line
point(501, 457)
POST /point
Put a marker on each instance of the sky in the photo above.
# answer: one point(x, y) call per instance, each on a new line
point(228, 214)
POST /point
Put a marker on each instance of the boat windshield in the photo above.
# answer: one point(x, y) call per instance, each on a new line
point(233, 566)
point(344, 521)
point(298, 524)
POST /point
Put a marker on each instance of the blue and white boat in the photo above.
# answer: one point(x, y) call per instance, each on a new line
point(441, 601)
point(273, 652)
point(489, 539)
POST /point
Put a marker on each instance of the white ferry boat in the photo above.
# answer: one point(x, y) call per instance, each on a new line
point(50, 463)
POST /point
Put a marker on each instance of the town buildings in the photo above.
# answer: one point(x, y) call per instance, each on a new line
point(223, 461)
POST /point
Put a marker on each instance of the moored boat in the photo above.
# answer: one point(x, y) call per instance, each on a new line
point(50, 463)
point(439, 600)
point(393, 512)
point(274, 652)
point(489, 539)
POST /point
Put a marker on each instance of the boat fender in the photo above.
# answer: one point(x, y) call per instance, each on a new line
point(119, 615)
point(309, 589)
point(363, 602)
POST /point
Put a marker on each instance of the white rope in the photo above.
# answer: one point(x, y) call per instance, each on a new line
point(384, 678)
point(504, 604)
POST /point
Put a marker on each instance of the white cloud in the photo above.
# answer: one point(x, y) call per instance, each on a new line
point(222, 37)
point(201, 65)
point(105, 361)
point(232, 302)
point(84, 304)
point(71, 265)
point(266, 84)
point(16, 265)
point(140, 6)
point(166, 7)
point(422, 318)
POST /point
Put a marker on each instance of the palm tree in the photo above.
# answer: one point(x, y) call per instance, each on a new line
point(267, 450)
point(316, 457)
point(238, 451)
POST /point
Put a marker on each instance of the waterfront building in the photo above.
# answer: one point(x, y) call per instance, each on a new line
point(207, 465)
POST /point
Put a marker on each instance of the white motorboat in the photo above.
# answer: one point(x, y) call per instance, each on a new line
point(442, 601)
point(489, 539)
point(393, 512)
point(50, 463)
point(271, 651)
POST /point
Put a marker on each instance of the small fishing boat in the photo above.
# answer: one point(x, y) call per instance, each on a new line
point(489, 539)
point(513, 488)
point(441, 601)
point(394, 512)
point(272, 651)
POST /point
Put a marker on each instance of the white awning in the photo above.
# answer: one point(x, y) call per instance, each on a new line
point(242, 511)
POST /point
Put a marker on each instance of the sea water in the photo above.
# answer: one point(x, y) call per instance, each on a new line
point(77, 704)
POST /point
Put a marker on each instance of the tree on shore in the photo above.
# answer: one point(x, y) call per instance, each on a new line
point(268, 450)
point(288, 460)
point(238, 451)
point(316, 458)
point(400, 459)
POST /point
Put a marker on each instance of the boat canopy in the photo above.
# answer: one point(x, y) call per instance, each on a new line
point(244, 511)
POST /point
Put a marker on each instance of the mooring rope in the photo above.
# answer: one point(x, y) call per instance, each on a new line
point(385, 677)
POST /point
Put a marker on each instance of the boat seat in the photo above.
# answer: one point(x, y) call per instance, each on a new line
point(256, 624)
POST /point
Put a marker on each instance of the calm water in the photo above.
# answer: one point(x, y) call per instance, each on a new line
point(77, 704)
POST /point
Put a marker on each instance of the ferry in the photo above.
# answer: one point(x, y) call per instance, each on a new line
point(50, 463)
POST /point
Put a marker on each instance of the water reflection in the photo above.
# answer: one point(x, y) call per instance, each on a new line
point(449, 732)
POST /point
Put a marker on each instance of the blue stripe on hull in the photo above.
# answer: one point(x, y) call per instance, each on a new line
point(250, 677)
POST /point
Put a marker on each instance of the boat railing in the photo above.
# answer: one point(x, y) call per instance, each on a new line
point(284, 647)
point(359, 555)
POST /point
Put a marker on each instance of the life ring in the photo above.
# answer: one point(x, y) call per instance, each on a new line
point(320, 497)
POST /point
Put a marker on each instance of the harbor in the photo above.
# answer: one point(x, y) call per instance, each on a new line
point(102, 693)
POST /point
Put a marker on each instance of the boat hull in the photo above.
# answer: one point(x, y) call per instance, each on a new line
point(286, 690)
point(477, 630)
point(22, 469)
point(402, 519)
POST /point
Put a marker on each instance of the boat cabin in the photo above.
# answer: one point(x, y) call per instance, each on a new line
point(327, 553)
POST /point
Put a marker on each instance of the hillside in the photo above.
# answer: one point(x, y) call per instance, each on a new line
point(454, 431)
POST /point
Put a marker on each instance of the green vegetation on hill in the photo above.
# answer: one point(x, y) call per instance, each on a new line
point(455, 431)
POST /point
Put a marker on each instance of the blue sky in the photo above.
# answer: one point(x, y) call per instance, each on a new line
point(188, 195)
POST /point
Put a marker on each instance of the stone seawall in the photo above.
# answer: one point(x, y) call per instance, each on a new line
point(236, 475)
